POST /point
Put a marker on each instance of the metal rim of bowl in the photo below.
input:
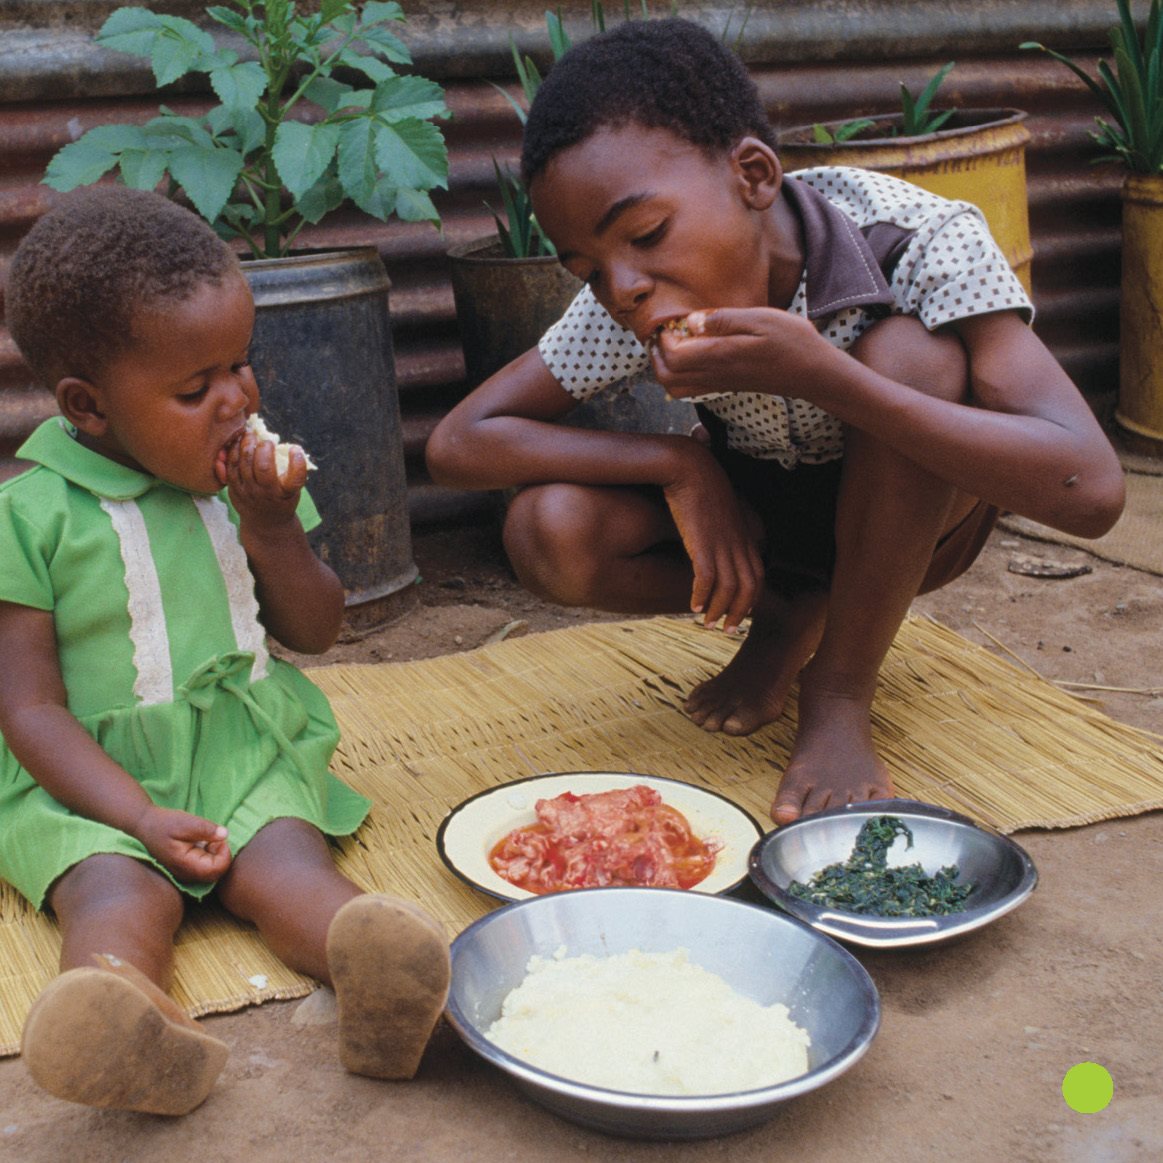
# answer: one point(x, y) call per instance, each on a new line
point(679, 1105)
point(891, 932)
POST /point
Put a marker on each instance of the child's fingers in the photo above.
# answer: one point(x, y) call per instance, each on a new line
point(296, 475)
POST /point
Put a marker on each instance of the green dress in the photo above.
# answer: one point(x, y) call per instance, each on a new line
point(164, 661)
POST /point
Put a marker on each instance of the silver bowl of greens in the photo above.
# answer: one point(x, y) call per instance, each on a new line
point(891, 874)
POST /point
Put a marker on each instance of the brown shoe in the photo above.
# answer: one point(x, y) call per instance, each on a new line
point(390, 967)
point(108, 1037)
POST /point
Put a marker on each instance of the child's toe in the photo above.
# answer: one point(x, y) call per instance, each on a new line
point(390, 966)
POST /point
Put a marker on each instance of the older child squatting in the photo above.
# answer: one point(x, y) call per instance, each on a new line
point(870, 391)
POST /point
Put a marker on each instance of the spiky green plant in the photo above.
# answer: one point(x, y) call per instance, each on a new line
point(1131, 92)
point(917, 117)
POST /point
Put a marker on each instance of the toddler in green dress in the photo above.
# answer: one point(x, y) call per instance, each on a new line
point(151, 748)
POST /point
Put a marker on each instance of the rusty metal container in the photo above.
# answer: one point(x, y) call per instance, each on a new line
point(979, 157)
point(1140, 407)
point(504, 305)
point(322, 355)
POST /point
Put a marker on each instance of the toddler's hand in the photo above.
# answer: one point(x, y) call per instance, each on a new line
point(190, 847)
point(257, 491)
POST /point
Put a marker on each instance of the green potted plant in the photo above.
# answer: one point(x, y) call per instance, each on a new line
point(1132, 95)
point(975, 155)
point(312, 115)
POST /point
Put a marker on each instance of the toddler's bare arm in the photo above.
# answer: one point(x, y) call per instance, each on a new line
point(70, 764)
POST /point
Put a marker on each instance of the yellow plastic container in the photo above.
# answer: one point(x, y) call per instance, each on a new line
point(979, 157)
point(1140, 408)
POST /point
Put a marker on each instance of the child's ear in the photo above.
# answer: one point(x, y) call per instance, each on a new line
point(759, 172)
point(80, 404)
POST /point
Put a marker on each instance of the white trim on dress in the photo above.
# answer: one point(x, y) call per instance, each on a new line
point(154, 681)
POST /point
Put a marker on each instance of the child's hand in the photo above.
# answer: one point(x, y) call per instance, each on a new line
point(753, 349)
point(719, 540)
point(191, 848)
point(248, 470)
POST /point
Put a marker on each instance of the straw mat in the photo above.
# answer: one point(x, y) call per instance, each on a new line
point(1137, 538)
point(956, 725)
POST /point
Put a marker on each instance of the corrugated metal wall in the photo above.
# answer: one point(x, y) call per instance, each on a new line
point(812, 62)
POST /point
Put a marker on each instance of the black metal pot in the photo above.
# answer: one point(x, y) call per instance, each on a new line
point(322, 354)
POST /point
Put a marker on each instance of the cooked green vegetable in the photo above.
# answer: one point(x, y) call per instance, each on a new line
point(865, 884)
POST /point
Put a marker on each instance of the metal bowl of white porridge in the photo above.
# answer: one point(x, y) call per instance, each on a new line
point(753, 992)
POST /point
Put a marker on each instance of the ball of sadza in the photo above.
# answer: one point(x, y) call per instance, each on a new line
point(257, 425)
point(647, 1023)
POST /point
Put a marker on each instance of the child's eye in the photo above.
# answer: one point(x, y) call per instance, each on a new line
point(651, 236)
point(194, 396)
point(237, 367)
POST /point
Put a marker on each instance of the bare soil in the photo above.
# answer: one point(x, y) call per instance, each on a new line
point(975, 1036)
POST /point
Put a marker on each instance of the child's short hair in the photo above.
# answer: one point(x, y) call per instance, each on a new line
point(88, 266)
point(663, 74)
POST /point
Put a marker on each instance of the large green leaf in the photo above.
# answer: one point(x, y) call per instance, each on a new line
point(143, 169)
point(411, 153)
point(80, 163)
point(207, 175)
point(357, 163)
point(134, 30)
point(239, 86)
point(402, 97)
point(247, 126)
point(328, 93)
point(371, 67)
point(169, 131)
point(383, 43)
point(303, 152)
point(416, 206)
point(323, 197)
point(174, 45)
point(228, 17)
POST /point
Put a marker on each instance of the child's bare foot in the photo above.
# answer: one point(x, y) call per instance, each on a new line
point(109, 1037)
point(390, 966)
point(833, 761)
point(750, 691)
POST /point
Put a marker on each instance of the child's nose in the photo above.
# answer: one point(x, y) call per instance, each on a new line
point(236, 393)
point(629, 288)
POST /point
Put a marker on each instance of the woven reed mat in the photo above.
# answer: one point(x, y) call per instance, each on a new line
point(956, 725)
point(1137, 538)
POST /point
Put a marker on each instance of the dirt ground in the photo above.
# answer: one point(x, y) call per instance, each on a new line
point(975, 1037)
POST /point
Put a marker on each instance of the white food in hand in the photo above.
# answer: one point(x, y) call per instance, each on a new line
point(257, 426)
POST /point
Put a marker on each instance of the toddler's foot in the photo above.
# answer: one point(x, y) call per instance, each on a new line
point(109, 1037)
point(833, 761)
point(390, 968)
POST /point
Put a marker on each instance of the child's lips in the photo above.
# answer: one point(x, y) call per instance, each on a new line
point(682, 326)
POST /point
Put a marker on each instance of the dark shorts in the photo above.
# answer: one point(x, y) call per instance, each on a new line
point(798, 509)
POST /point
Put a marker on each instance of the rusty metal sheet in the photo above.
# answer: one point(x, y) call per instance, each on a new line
point(1074, 208)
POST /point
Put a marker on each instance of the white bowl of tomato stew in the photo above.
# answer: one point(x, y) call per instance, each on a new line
point(589, 829)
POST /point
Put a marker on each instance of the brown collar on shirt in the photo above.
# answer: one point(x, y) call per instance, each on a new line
point(845, 265)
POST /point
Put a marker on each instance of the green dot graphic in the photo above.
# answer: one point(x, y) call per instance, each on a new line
point(1087, 1088)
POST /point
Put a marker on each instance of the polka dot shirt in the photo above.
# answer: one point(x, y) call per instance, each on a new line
point(874, 245)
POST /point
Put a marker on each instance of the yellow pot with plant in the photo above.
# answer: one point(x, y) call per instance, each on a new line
point(1132, 94)
point(973, 155)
